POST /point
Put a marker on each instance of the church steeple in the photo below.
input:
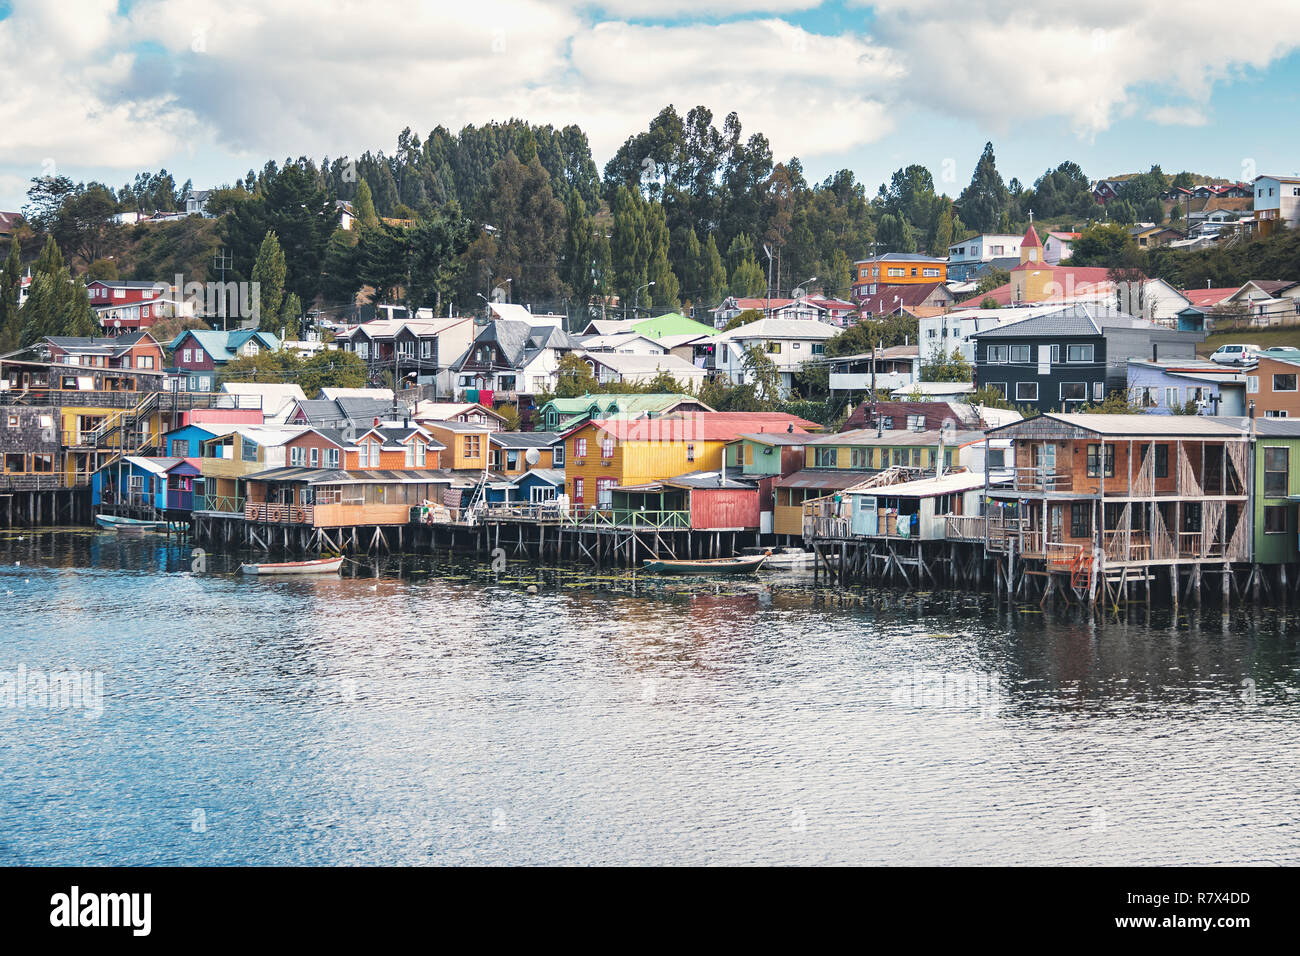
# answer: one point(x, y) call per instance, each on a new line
point(1031, 248)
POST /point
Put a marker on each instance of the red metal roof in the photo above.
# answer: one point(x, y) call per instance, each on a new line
point(1203, 297)
point(1031, 237)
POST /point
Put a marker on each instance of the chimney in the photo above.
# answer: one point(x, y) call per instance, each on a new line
point(1155, 352)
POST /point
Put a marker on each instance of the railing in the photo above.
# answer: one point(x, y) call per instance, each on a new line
point(525, 511)
point(1035, 479)
point(275, 513)
point(1062, 556)
point(44, 481)
point(227, 504)
point(631, 519)
point(965, 527)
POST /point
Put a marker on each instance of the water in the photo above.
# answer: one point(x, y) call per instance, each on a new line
point(437, 714)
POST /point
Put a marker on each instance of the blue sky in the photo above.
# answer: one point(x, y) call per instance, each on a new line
point(103, 88)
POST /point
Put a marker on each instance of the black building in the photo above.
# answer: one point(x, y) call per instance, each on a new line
point(1063, 360)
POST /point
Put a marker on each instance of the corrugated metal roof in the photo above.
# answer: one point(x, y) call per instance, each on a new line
point(1073, 320)
point(898, 436)
point(830, 480)
point(927, 487)
point(1137, 425)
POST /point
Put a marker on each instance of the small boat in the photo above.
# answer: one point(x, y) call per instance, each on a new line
point(783, 559)
point(747, 565)
point(116, 523)
point(317, 566)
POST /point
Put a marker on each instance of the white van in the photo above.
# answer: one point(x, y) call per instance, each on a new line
point(1234, 354)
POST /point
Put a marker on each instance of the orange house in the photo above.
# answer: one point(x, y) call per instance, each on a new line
point(1274, 386)
point(896, 268)
point(466, 443)
point(393, 448)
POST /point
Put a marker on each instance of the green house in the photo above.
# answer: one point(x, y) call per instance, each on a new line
point(1276, 489)
point(561, 414)
point(863, 449)
point(767, 453)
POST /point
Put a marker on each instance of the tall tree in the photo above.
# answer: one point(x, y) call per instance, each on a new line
point(984, 202)
point(10, 287)
point(269, 272)
point(56, 303)
point(364, 206)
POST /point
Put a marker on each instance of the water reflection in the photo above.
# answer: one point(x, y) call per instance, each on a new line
point(422, 710)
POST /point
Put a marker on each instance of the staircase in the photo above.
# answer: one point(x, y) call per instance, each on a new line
point(1081, 571)
point(120, 433)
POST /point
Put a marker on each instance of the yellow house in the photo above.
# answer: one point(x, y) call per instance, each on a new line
point(602, 455)
point(1036, 280)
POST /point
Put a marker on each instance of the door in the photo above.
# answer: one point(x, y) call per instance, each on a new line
point(1056, 523)
point(865, 516)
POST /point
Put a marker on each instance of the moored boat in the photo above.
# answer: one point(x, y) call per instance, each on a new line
point(783, 559)
point(118, 523)
point(745, 565)
point(317, 566)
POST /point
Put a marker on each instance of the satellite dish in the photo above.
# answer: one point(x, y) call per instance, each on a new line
point(532, 456)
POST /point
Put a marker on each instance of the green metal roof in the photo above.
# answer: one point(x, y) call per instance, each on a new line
point(671, 323)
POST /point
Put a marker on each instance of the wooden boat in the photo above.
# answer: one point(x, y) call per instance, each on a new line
point(116, 523)
point(317, 566)
point(747, 565)
point(783, 559)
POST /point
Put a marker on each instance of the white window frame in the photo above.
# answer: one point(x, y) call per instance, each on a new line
point(1021, 386)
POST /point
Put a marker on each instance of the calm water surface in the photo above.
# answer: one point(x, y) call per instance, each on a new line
point(427, 713)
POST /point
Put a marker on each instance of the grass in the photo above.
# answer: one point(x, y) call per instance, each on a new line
point(1264, 338)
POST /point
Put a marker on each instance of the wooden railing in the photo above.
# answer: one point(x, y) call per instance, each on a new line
point(274, 513)
point(1035, 479)
point(227, 504)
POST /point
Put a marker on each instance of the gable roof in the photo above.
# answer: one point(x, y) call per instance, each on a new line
point(778, 329)
point(223, 346)
point(524, 439)
point(1072, 320)
point(888, 298)
point(1030, 238)
point(670, 323)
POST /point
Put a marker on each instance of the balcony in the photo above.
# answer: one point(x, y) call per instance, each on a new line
point(266, 512)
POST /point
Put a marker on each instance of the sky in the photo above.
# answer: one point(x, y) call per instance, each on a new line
point(101, 89)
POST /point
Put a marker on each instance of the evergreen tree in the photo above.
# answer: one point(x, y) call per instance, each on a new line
point(363, 207)
point(10, 286)
point(666, 287)
point(748, 280)
point(579, 251)
point(629, 247)
point(291, 317)
point(56, 304)
point(269, 272)
point(712, 276)
point(985, 200)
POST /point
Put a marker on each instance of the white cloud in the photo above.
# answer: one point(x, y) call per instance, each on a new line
point(1002, 62)
point(1178, 116)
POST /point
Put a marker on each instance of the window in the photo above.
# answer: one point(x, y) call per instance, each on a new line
point(15, 463)
point(1044, 458)
point(1081, 521)
point(1171, 398)
point(887, 422)
point(916, 423)
point(557, 456)
point(1252, 384)
point(1056, 355)
point(607, 448)
point(146, 361)
point(185, 355)
point(296, 457)
point(860, 458)
point(1162, 461)
point(1276, 472)
point(1074, 391)
point(1019, 354)
point(1101, 461)
point(13, 421)
point(774, 348)
point(577, 490)
point(580, 448)
point(1275, 519)
point(930, 273)
point(248, 450)
point(997, 458)
point(1098, 391)
point(996, 354)
point(604, 493)
point(819, 348)
point(1078, 353)
point(1284, 383)
point(512, 460)
point(1275, 413)
point(1026, 391)
point(796, 346)
point(315, 457)
point(472, 448)
point(410, 454)
point(690, 452)
point(331, 458)
point(825, 457)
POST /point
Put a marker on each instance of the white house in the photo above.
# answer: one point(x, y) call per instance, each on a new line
point(787, 342)
point(1058, 246)
point(968, 255)
point(1277, 200)
point(624, 367)
point(623, 343)
point(196, 203)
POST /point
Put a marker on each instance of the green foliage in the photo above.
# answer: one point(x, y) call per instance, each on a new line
point(291, 317)
point(1104, 244)
point(574, 378)
point(993, 279)
point(363, 207)
point(947, 368)
point(56, 304)
point(865, 336)
point(102, 269)
point(10, 285)
point(1116, 403)
point(332, 368)
point(983, 203)
point(748, 280)
point(269, 273)
point(744, 318)
point(762, 373)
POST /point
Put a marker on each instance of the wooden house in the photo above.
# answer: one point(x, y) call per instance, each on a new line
point(393, 446)
point(471, 413)
point(765, 457)
point(700, 501)
point(1276, 489)
point(1143, 489)
point(245, 450)
point(602, 455)
point(918, 509)
point(530, 488)
point(562, 414)
point(509, 452)
point(161, 486)
point(467, 444)
point(329, 498)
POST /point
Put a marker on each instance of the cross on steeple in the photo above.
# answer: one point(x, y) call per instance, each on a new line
point(1031, 217)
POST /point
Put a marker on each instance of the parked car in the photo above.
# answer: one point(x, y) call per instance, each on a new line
point(1281, 351)
point(1234, 354)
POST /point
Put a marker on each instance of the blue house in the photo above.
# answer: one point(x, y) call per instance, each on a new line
point(1165, 387)
point(185, 442)
point(532, 487)
point(163, 484)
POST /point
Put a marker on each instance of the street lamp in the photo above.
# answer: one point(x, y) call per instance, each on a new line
point(636, 305)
